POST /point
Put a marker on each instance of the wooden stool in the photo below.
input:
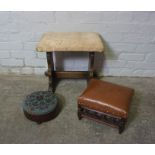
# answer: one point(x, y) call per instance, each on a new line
point(69, 42)
point(106, 103)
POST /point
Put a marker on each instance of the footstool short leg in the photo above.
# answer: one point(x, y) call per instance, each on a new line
point(39, 123)
point(121, 125)
point(79, 113)
point(79, 116)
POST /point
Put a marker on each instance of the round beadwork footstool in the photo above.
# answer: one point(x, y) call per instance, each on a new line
point(40, 106)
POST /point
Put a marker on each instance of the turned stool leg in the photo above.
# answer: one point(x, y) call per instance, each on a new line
point(91, 65)
point(50, 70)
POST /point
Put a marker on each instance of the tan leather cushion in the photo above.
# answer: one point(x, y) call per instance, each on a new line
point(107, 97)
point(70, 41)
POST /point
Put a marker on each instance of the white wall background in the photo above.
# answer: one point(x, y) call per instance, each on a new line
point(129, 40)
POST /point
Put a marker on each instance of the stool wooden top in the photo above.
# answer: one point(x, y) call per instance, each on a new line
point(70, 42)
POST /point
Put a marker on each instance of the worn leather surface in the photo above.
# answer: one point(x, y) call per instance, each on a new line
point(70, 41)
point(107, 97)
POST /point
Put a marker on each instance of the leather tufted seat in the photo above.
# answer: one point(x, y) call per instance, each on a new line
point(105, 98)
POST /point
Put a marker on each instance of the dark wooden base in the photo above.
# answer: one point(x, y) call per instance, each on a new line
point(42, 118)
point(101, 117)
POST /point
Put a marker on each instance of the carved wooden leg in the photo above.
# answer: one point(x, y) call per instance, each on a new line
point(50, 71)
point(91, 65)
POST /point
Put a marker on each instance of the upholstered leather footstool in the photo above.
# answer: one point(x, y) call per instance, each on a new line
point(106, 103)
point(40, 106)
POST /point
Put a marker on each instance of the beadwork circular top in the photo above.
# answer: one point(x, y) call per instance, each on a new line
point(40, 103)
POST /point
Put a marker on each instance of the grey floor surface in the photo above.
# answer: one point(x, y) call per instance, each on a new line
point(66, 128)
